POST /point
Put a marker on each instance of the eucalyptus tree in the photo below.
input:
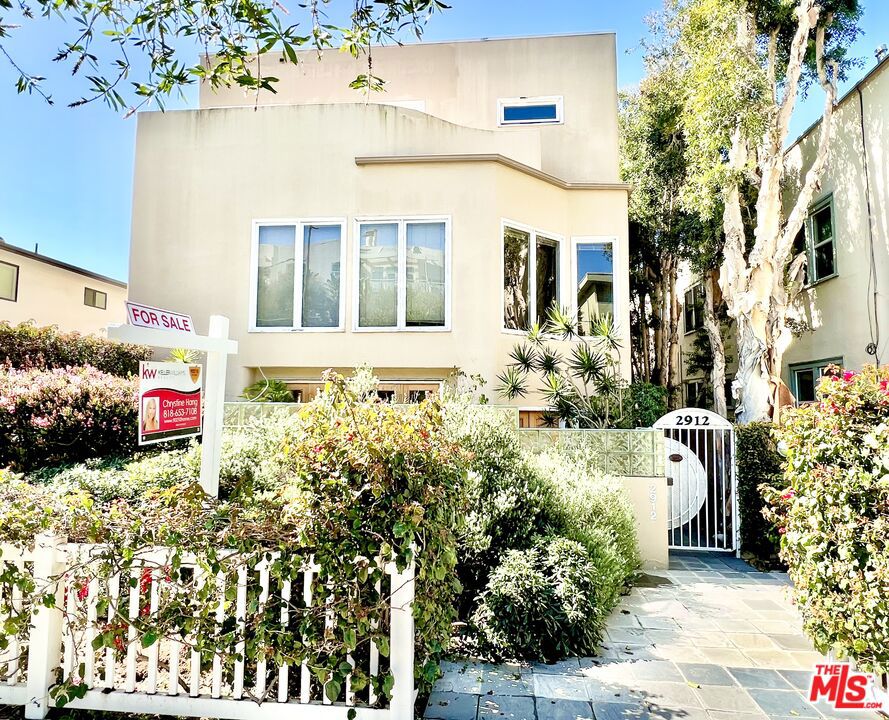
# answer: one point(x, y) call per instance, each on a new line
point(133, 53)
point(745, 64)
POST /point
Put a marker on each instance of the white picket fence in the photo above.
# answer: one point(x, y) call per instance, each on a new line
point(167, 677)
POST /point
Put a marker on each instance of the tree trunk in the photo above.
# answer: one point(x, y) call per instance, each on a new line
point(657, 311)
point(646, 339)
point(673, 355)
point(717, 347)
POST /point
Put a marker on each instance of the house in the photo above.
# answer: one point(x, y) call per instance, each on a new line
point(45, 291)
point(419, 230)
point(841, 314)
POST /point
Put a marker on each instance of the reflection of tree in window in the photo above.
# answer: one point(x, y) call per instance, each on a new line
point(378, 276)
point(275, 278)
point(515, 279)
point(425, 275)
point(547, 272)
point(321, 276)
point(595, 283)
point(822, 242)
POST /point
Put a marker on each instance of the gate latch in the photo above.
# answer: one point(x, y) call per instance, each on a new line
point(669, 482)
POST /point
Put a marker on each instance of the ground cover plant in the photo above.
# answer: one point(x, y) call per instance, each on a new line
point(833, 513)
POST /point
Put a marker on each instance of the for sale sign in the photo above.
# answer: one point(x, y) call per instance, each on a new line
point(169, 401)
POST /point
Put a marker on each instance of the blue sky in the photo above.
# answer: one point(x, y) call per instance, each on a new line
point(66, 174)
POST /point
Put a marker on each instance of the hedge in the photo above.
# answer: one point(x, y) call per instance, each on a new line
point(834, 514)
point(51, 417)
point(28, 346)
point(758, 463)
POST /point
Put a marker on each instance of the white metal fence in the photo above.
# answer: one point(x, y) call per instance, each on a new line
point(168, 677)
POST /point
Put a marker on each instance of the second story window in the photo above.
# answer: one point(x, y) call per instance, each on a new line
point(403, 278)
point(95, 298)
point(531, 277)
point(694, 308)
point(822, 255)
point(530, 111)
point(9, 281)
point(594, 273)
point(296, 275)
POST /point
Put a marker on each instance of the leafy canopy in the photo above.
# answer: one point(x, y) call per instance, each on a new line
point(112, 40)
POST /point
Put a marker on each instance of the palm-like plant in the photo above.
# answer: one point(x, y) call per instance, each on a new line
point(584, 389)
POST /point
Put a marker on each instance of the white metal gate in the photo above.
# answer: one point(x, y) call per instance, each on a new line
point(700, 467)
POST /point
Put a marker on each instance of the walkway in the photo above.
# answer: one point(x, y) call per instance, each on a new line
point(709, 639)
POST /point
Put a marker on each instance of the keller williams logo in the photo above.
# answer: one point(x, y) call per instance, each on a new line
point(843, 688)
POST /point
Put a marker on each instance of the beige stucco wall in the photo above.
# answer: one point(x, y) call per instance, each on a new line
point(203, 177)
point(648, 498)
point(462, 81)
point(50, 295)
point(837, 309)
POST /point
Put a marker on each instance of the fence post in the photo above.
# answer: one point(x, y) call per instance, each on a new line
point(214, 408)
point(45, 644)
point(401, 641)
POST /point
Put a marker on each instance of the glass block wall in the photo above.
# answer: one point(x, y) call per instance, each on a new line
point(619, 452)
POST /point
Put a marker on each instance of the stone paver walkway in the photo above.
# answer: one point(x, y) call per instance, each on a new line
point(709, 639)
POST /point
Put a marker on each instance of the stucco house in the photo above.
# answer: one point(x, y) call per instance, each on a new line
point(842, 313)
point(40, 289)
point(419, 230)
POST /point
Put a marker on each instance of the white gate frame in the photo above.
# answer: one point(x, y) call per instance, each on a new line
point(696, 419)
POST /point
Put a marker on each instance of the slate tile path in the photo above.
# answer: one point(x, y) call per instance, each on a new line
point(709, 639)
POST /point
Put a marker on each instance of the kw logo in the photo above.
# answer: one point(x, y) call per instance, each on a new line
point(843, 688)
point(149, 373)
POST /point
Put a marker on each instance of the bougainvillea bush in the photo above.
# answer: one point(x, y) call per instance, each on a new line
point(29, 346)
point(348, 483)
point(49, 417)
point(833, 515)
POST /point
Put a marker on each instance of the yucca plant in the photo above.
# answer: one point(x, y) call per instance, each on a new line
point(585, 389)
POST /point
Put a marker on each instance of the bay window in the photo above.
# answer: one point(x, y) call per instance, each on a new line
point(402, 279)
point(297, 275)
point(531, 276)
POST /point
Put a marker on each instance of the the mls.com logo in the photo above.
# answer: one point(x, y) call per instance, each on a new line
point(844, 689)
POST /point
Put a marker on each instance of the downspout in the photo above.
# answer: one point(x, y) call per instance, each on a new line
point(873, 319)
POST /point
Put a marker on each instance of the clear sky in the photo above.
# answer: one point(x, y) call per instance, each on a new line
point(66, 174)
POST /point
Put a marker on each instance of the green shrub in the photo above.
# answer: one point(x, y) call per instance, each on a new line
point(268, 391)
point(46, 348)
point(539, 603)
point(834, 514)
point(50, 417)
point(758, 463)
point(643, 404)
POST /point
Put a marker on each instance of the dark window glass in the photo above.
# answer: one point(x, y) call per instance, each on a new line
point(823, 244)
point(805, 384)
point(547, 277)
point(516, 246)
point(95, 298)
point(531, 113)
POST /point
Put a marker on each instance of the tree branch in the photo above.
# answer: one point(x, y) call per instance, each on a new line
point(808, 17)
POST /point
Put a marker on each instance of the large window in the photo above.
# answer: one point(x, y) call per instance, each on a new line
point(531, 276)
point(297, 283)
point(805, 377)
point(817, 240)
point(403, 274)
point(594, 281)
point(530, 111)
point(95, 298)
point(694, 308)
point(9, 281)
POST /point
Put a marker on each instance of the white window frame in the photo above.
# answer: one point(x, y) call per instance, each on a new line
point(299, 224)
point(618, 293)
point(532, 271)
point(402, 221)
point(15, 288)
point(557, 100)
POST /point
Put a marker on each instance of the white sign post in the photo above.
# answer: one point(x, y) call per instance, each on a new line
point(218, 347)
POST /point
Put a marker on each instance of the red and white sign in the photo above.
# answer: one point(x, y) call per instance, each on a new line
point(152, 317)
point(169, 401)
point(843, 688)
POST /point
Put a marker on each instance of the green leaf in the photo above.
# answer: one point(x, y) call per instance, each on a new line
point(149, 638)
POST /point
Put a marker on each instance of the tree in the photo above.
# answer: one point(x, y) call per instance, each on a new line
point(745, 63)
point(220, 42)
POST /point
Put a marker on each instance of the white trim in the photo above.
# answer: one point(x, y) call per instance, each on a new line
point(557, 100)
point(298, 225)
point(532, 270)
point(401, 221)
point(618, 292)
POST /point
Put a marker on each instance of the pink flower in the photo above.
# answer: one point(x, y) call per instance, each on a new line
point(848, 375)
point(789, 494)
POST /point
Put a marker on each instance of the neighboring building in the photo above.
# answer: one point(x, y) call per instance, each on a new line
point(419, 233)
point(842, 313)
point(36, 288)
